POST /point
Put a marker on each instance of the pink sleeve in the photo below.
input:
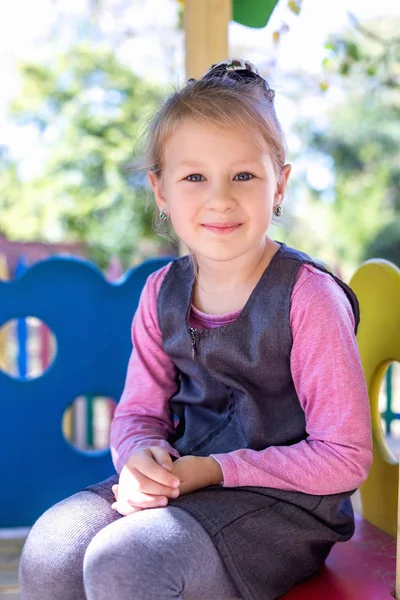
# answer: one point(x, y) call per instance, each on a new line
point(142, 417)
point(337, 454)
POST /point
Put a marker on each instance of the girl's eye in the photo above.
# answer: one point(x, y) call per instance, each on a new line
point(243, 176)
point(195, 177)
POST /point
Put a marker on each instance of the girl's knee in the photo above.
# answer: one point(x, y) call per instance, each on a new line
point(111, 550)
point(106, 566)
point(46, 540)
point(156, 553)
point(52, 557)
point(132, 557)
point(45, 557)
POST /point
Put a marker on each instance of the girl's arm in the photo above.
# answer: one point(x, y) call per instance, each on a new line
point(142, 417)
point(337, 453)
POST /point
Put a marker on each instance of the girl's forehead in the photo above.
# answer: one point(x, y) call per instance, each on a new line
point(197, 137)
point(213, 129)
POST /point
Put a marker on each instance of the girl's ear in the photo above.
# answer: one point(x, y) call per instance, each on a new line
point(282, 183)
point(155, 183)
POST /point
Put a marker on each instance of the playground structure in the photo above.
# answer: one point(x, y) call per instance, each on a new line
point(90, 320)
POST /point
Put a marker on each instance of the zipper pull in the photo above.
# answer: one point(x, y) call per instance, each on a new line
point(193, 339)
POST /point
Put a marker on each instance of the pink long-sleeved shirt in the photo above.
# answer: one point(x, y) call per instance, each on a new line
point(325, 365)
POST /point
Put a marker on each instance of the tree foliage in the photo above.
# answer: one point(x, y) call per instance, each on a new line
point(386, 244)
point(369, 52)
point(359, 138)
point(89, 110)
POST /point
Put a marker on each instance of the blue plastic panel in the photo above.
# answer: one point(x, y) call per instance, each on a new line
point(91, 320)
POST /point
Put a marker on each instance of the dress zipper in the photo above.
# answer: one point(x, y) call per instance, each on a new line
point(192, 332)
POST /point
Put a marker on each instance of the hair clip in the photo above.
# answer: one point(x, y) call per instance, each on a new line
point(238, 64)
point(234, 66)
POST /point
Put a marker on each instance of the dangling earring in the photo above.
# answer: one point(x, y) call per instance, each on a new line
point(164, 215)
point(278, 210)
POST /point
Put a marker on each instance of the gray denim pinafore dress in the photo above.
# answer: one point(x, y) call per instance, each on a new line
point(235, 390)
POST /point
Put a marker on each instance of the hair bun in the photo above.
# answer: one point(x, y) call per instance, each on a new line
point(241, 70)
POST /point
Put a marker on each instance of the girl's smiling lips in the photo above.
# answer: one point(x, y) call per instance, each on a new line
point(222, 228)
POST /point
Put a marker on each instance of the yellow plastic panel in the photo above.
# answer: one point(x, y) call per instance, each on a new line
point(377, 286)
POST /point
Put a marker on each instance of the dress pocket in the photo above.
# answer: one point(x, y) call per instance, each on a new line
point(226, 438)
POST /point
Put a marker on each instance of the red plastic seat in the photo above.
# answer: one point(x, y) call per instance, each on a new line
point(363, 568)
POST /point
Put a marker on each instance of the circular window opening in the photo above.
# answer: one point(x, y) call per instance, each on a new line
point(86, 423)
point(27, 347)
point(389, 407)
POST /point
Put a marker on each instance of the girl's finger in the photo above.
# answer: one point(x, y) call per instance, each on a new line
point(154, 471)
point(146, 485)
point(124, 509)
point(162, 457)
point(115, 490)
point(147, 501)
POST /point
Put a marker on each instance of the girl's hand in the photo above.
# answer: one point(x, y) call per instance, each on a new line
point(146, 481)
point(196, 472)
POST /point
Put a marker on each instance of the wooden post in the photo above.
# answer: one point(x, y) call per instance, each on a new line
point(206, 34)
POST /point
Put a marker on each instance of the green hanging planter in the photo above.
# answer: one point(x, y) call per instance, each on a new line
point(253, 13)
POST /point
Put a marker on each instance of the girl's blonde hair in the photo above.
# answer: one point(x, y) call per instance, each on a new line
point(229, 96)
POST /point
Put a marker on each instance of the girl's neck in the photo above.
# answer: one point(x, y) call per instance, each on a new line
point(223, 287)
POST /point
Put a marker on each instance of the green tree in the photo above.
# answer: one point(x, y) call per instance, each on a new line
point(386, 244)
point(90, 110)
point(359, 137)
point(369, 52)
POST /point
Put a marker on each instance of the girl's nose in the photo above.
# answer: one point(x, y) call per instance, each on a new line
point(221, 199)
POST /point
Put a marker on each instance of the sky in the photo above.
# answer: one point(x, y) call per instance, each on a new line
point(156, 51)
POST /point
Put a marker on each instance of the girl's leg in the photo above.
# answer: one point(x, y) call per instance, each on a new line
point(52, 558)
point(158, 553)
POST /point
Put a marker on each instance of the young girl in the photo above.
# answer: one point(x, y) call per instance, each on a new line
point(244, 425)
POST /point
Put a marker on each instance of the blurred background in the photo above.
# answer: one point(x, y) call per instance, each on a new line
point(79, 81)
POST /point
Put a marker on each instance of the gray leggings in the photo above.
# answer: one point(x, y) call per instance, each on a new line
point(80, 548)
